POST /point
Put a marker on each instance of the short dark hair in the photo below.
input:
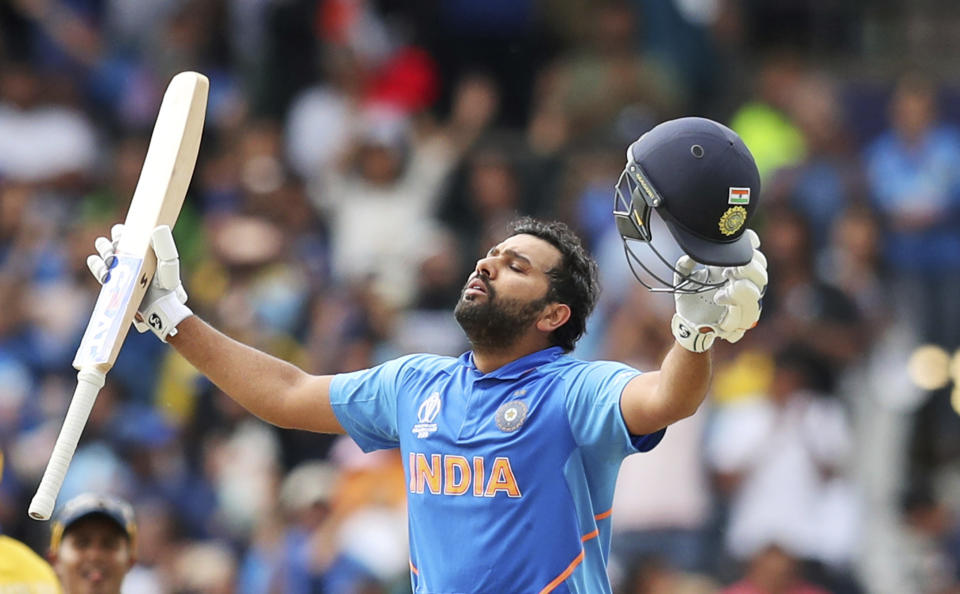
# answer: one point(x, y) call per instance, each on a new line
point(573, 283)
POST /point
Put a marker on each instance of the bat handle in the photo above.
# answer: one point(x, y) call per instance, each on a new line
point(89, 382)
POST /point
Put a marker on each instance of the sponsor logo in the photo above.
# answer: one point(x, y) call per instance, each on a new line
point(107, 314)
point(426, 414)
point(511, 415)
point(437, 474)
point(155, 322)
point(739, 196)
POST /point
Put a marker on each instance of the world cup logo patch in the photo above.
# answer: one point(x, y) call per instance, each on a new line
point(511, 415)
point(426, 414)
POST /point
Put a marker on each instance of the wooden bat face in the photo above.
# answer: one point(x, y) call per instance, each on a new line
point(160, 191)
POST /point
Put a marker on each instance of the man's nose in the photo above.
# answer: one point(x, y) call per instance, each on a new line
point(487, 267)
point(96, 552)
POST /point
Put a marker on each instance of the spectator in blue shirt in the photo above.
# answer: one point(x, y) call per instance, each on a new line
point(913, 172)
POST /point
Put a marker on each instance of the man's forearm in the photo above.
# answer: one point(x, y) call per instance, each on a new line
point(656, 399)
point(274, 390)
point(684, 380)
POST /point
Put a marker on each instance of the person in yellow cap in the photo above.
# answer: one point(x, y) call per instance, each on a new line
point(93, 544)
point(22, 570)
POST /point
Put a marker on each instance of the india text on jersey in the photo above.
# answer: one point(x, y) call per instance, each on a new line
point(455, 475)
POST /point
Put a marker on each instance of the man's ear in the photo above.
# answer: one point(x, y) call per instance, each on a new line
point(132, 550)
point(553, 316)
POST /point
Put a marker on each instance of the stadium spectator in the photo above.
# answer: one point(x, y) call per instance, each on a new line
point(93, 544)
point(829, 177)
point(773, 570)
point(763, 121)
point(41, 141)
point(593, 84)
point(782, 459)
point(799, 306)
point(206, 566)
point(667, 522)
point(929, 528)
point(913, 170)
point(652, 575)
point(852, 262)
point(382, 198)
point(489, 193)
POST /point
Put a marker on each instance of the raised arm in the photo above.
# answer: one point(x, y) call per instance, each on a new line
point(274, 390)
point(654, 400)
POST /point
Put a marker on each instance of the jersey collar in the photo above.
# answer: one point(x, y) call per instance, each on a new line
point(513, 369)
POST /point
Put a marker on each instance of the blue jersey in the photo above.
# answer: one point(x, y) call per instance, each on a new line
point(510, 474)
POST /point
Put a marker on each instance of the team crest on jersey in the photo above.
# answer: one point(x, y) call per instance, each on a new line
point(511, 415)
point(426, 414)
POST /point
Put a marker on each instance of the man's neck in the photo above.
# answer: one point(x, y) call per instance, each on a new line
point(488, 360)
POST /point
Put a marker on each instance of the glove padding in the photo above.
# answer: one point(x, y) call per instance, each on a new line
point(163, 306)
point(727, 311)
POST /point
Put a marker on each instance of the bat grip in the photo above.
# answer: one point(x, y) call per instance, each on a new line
point(89, 382)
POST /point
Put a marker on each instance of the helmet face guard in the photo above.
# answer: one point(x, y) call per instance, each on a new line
point(635, 198)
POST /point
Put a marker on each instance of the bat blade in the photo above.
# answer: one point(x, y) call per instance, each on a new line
point(167, 170)
point(160, 191)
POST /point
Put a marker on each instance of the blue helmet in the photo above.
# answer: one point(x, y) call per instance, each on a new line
point(702, 181)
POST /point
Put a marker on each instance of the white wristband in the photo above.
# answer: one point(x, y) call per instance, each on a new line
point(163, 315)
point(691, 337)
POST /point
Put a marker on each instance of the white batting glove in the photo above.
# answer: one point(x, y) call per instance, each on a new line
point(727, 311)
point(163, 306)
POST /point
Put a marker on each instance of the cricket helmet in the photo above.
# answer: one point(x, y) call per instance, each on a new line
point(701, 180)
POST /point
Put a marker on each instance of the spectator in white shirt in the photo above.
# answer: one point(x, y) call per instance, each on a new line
point(782, 458)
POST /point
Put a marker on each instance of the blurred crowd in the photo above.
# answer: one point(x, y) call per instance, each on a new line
point(359, 155)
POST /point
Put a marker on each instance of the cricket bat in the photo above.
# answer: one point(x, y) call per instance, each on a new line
point(163, 183)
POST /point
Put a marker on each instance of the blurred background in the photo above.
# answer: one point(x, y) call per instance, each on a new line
point(359, 155)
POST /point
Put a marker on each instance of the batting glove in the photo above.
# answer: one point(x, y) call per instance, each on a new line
point(163, 306)
point(726, 311)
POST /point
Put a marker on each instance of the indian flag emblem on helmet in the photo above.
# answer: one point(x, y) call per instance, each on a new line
point(511, 415)
point(739, 196)
point(732, 220)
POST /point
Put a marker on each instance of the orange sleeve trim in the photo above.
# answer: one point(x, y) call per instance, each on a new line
point(563, 576)
point(414, 569)
point(604, 515)
point(587, 537)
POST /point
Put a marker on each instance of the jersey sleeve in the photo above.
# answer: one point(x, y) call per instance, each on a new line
point(365, 403)
point(593, 409)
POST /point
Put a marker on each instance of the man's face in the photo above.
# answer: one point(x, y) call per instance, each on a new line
point(93, 557)
point(507, 292)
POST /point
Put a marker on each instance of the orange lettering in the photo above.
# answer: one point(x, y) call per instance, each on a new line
point(429, 475)
point(501, 479)
point(478, 476)
point(452, 484)
point(411, 468)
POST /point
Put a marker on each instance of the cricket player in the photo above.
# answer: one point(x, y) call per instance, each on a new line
point(511, 450)
point(93, 543)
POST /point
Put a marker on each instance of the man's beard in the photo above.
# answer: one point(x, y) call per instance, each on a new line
point(496, 324)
